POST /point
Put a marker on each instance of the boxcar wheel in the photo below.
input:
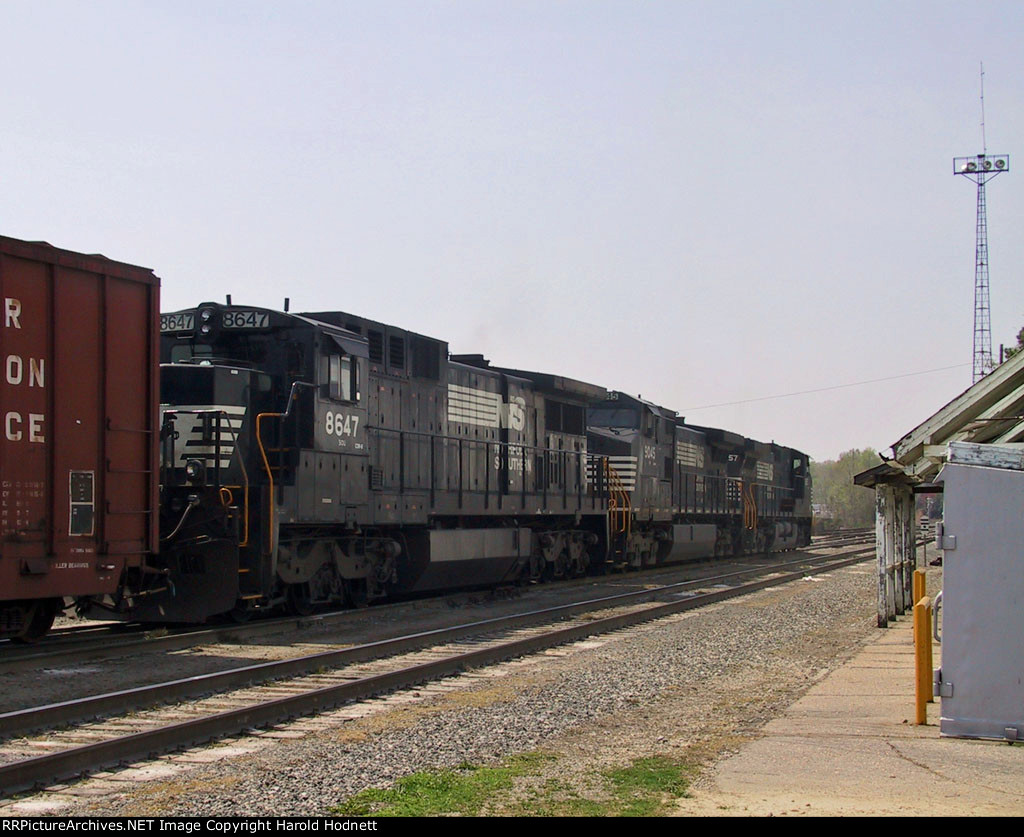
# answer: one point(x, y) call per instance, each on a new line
point(40, 620)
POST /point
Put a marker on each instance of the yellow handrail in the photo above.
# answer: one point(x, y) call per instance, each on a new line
point(749, 507)
point(617, 491)
point(270, 477)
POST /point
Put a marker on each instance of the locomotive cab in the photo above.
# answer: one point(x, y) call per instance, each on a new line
point(636, 439)
point(256, 404)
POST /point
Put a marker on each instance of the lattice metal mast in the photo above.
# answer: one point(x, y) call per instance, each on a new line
point(981, 168)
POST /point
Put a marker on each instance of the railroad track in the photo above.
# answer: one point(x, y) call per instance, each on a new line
point(842, 536)
point(105, 642)
point(92, 643)
point(136, 724)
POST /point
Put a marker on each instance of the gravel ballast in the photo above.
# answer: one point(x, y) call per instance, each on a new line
point(692, 686)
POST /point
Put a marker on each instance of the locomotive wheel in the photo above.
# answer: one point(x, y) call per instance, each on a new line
point(241, 612)
point(555, 569)
point(355, 593)
point(578, 558)
point(299, 601)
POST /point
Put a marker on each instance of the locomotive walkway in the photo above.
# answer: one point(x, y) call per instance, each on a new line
point(849, 747)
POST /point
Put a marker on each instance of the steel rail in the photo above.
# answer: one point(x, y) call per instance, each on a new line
point(148, 638)
point(28, 773)
point(19, 722)
point(81, 649)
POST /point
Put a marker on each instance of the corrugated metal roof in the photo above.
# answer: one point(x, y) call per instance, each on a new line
point(990, 412)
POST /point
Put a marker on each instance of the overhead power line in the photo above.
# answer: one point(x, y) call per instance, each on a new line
point(825, 389)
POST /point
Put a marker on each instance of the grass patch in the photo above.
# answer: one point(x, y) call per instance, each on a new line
point(464, 791)
point(644, 788)
point(523, 786)
point(555, 798)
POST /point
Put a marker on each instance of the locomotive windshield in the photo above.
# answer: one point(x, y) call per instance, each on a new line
point(613, 417)
point(255, 350)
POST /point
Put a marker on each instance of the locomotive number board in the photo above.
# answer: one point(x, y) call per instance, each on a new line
point(177, 322)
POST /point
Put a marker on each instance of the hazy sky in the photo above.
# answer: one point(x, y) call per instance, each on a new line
point(697, 202)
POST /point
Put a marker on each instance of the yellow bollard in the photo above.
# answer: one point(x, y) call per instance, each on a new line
point(920, 585)
point(919, 589)
point(922, 658)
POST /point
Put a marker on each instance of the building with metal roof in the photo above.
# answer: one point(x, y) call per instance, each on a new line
point(991, 412)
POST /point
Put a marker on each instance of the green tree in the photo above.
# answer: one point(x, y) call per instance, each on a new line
point(841, 502)
point(1010, 351)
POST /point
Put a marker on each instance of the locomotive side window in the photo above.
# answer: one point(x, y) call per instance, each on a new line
point(339, 375)
point(613, 417)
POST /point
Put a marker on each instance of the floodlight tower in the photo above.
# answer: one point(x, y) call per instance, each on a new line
point(981, 168)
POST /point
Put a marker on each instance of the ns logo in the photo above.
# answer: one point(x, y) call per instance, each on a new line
point(512, 416)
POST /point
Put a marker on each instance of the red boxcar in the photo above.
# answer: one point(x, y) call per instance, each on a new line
point(78, 428)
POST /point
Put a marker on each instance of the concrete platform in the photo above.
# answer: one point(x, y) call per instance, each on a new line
point(850, 747)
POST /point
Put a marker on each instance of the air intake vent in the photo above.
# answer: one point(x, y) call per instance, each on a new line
point(376, 340)
point(426, 358)
point(396, 353)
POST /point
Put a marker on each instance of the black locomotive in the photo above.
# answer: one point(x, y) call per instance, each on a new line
point(320, 458)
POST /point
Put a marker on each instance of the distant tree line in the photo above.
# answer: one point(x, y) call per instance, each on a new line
point(839, 502)
point(1010, 351)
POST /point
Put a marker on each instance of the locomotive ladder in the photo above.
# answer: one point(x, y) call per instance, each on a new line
point(749, 506)
point(620, 509)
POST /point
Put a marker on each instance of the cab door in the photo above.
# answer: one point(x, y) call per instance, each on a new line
point(340, 459)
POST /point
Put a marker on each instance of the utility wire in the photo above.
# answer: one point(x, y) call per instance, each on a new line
point(824, 389)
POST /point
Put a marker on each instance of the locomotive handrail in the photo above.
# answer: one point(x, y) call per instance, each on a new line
point(508, 450)
point(292, 397)
point(617, 489)
point(749, 506)
point(270, 475)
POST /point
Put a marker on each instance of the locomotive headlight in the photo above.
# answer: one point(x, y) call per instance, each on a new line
point(204, 328)
point(195, 472)
point(206, 315)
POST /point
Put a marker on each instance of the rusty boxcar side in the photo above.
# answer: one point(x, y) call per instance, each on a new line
point(78, 427)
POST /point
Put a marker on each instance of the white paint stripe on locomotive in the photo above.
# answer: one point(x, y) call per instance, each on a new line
point(625, 467)
point(473, 406)
point(489, 408)
point(197, 449)
point(472, 392)
point(474, 399)
point(230, 409)
point(189, 421)
point(689, 454)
